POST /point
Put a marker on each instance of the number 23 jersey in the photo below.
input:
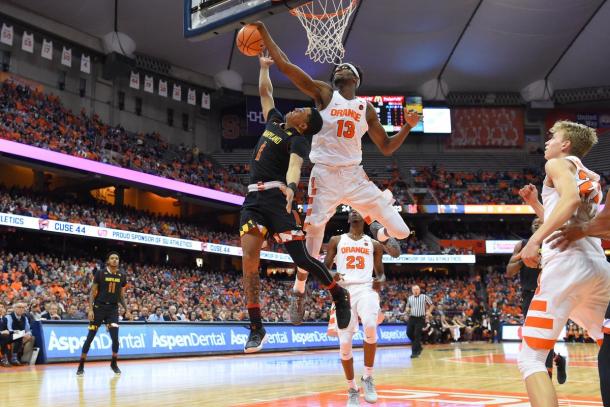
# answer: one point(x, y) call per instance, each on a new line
point(355, 260)
point(339, 143)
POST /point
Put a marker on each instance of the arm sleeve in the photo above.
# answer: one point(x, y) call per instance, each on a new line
point(300, 146)
point(123, 280)
point(428, 300)
point(275, 116)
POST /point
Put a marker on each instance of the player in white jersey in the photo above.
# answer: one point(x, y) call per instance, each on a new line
point(336, 152)
point(574, 283)
point(357, 256)
point(598, 227)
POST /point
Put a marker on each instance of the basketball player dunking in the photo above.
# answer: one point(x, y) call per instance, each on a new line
point(357, 256)
point(275, 169)
point(336, 152)
point(574, 283)
point(106, 295)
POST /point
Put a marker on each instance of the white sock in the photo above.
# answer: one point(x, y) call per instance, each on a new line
point(382, 235)
point(299, 285)
point(352, 384)
point(368, 372)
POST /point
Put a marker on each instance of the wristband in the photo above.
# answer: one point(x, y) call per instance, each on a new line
point(293, 186)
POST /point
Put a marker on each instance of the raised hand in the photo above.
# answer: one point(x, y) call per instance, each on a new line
point(412, 118)
point(265, 60)
point(529, 194)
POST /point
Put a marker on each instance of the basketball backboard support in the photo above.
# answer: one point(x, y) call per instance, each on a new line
point(204, 19)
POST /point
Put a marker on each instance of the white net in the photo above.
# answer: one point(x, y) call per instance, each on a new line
point(325, 22)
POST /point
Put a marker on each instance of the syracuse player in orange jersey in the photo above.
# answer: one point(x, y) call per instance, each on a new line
point(574, 283)
point(357, 256)
point(336, 152)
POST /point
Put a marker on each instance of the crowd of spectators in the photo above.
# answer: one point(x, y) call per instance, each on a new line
point(475, 187)
point(31, 117)
point(25, 202)
point(60, 287)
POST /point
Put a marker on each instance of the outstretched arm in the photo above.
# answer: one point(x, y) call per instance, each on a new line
point(265, 87)
point(386, 144)
point(319, 91)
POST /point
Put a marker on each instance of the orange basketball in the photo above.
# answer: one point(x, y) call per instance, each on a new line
point(249, 41)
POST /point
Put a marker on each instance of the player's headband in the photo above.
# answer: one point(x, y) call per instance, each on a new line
point(351, 68)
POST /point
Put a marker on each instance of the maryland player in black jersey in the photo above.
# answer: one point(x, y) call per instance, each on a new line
point(106, 294)
point(529, 282)
point(275, 170)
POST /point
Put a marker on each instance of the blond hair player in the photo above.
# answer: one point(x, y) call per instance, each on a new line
point(574, 283)
point(336, 152)
point(357, 256)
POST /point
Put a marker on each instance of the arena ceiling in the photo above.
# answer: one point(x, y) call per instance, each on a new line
point(488, 45)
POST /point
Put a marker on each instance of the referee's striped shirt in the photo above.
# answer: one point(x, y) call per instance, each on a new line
point(418, 304)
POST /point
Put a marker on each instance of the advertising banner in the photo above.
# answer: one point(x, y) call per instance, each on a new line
point(63, 341)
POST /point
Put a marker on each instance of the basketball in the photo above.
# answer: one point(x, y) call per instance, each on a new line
point(249, 41)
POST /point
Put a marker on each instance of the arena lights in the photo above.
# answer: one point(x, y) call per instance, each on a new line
point(65, 160)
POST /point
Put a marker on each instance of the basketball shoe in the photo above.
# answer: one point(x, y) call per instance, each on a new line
point(391, 245)
point(370, 392)
point(353, 398)
point(115, 368)
point(256, 339)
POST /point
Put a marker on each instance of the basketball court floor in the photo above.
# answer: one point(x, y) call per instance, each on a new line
point(475, 374)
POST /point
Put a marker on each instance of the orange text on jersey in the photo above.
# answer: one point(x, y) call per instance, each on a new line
point(363, 250)
point(345, 113)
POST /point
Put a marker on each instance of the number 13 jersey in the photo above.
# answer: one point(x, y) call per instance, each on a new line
point(355, 260)
point(338, 144)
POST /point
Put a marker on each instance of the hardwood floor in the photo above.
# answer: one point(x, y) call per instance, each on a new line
point(449, 375)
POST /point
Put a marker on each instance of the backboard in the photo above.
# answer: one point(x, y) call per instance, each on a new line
point(204, 19)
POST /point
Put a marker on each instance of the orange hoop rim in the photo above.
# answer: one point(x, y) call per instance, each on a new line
point(296, 12)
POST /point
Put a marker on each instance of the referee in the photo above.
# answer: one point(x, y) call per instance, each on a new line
point(416, 305)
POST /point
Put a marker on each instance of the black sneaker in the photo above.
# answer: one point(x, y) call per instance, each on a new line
point(81, 370)
point(343, 309)
point(560, 362)
point(256, 339)
point(16, 362)
point(4, 363)
point(115, 369)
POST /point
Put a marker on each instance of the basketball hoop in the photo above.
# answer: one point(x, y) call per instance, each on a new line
point(325, 22)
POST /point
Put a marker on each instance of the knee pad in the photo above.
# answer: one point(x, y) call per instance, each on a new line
point(345, 348)
point(370, 334)
point(531, 360)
